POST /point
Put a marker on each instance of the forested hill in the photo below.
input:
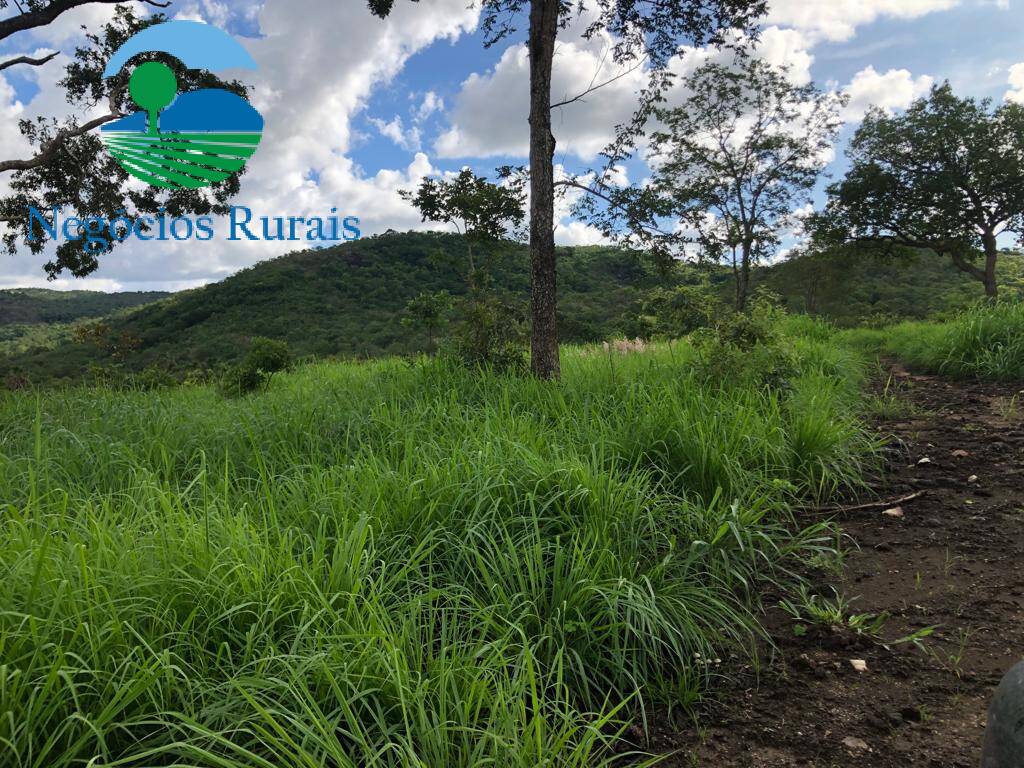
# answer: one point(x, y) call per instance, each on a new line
point(30, 306)
point(348, 300)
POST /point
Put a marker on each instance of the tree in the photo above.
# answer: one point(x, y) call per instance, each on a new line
point(70, 168)
point(946, 176)
point(647, 32)
point(488, 332)
point(430, 311)
point(480, 210)
point(738, 156)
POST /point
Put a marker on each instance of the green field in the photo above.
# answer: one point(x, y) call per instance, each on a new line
point(398, 564)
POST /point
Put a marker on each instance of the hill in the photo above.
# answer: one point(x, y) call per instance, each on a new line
point(33, 318)
point(346, 300)
point(852, 289)
point(32, 306)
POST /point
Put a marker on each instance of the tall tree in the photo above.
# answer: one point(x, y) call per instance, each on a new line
point(69, 166)
point(651, 32)
point(738, 156)
point(947, 175)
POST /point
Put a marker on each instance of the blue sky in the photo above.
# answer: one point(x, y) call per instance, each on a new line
point(358, 109)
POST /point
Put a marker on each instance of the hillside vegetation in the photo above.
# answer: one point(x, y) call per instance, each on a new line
point(349, 301)
point(394, 564)
point(31, 306)
point(38, 318)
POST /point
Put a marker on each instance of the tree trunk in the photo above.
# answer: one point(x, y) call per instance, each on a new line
point(743, 278)
point(544, 338)
point(986, 276)
point(991, 257)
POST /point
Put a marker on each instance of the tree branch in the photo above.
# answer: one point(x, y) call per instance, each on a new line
point(28, 60)
point(46, 14)
point(51, 147)
point(592, 87)
point(613, 203)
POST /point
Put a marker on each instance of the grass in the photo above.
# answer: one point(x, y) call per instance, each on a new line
point(394, 564)
point(985, 341)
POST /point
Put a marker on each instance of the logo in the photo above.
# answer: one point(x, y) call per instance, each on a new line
point(188, 140)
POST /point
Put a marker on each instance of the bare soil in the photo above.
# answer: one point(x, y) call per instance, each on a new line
point(954, 561)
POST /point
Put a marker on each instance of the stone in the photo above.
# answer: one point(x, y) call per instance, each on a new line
point(1004, 733)
point(855, 745)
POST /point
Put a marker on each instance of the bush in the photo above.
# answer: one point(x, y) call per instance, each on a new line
point(676, 312)
point(265, 358)
point(490, 334)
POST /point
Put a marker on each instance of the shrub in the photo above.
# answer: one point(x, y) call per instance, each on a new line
point(675, 312)
point(491, 333)
point(265, 358)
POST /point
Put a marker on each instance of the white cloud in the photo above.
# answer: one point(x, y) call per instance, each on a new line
point(838, 20)
point(308, 95)
point(394, 129)
point(209, 11)
point(431, 103)
point(891, 90)
point(490, 114)
point(1015, 79)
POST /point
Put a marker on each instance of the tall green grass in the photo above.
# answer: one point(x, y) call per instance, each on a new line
point(986, 341)
point(397, 565)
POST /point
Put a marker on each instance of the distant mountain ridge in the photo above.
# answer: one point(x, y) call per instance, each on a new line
point(41, 305)
point(345, 300)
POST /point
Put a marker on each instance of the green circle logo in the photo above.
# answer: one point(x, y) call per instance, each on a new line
point(188, 140)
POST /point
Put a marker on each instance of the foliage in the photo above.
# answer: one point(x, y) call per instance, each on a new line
point(944, 176)
point(675, 312)
point(856, 287)
point(349, 300)
point(738, 156)
point(491, 333)
point(479, 209)
point(429, 311)
point(264, 358)
point(71, 168)
point(985, 341)
point(35, 305)
point(389, 565)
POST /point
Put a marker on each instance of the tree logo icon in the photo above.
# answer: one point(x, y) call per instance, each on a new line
point(188, 140)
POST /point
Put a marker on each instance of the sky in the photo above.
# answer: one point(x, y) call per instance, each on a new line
point(357, 108)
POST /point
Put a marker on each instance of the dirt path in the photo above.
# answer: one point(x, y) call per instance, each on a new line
point(955, 559)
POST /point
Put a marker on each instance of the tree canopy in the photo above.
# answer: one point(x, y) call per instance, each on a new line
point(738, 156)
point(69, 167)
point(946, 175)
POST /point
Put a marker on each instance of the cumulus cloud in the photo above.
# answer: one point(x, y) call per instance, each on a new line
point(309, 95)
point(489, 118)
point(837, 20)
point(431, 103)
point(1016, 81)
point(891, 90)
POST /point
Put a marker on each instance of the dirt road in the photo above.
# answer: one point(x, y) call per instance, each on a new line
point(953, 560)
